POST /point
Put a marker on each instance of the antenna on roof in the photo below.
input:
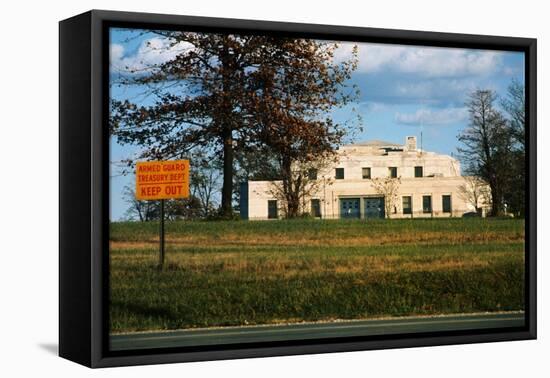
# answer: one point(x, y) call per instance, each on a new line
point(422, 113)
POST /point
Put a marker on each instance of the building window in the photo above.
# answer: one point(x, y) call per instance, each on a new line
point(312, 174)
point(392, 171)
point(272, 209)
point(418, 172)
point(339, 173)
point(366, 173)
point(407, 205)
point(446, 203)
point(427, 204)
point(316, 208)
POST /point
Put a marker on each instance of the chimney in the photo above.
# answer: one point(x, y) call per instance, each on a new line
point(410, 143)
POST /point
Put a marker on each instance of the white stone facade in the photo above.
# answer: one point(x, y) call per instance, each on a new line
point(429, 185)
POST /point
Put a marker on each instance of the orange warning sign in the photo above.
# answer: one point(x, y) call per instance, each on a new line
point(157, 180)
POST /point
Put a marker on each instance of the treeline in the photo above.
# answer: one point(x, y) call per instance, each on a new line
point(244, 104)
point(493, 146)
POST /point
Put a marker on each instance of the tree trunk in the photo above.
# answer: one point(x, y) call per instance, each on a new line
point(227, 133)
point(489, 161)
point(289, 189)
point(496, 196)
point(227, 189)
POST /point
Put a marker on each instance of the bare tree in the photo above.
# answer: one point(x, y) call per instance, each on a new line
point(295, 191)
point(175, 209)
point(143, 211)
point(514, 106)
point(206, 181)
point(475, 192)
point(389, 188)
point(486, 146)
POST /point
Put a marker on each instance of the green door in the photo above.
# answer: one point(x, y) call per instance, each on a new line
point(316, 208)
point(349, 208)
point(374, 207)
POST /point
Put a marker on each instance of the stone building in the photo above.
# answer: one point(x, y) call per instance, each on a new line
point(358, 185)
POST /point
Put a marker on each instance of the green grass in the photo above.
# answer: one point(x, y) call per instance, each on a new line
point(141, 231)
point(237, 272)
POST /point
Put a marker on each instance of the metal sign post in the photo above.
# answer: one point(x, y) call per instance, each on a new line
point(161, 235)
point(161, 180)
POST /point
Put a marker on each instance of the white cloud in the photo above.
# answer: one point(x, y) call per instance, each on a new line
point(427, 116)
point(116, 53)
point(374, 106)
point(151, 52)
point(436, 89)
point(424, 61)
point(428, 62)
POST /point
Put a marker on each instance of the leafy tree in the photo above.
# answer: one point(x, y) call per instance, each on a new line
point(486, 146)
point(230, 93)
point(199, 96)
point(185, 208)
point(256, 163)
point(294, 91)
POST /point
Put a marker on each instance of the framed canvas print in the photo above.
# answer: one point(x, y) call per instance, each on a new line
point(233, 188)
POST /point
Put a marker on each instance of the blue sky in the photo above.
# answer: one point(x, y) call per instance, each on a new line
point(405, 90)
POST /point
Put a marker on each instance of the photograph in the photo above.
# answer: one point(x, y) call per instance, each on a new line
point(267, 187)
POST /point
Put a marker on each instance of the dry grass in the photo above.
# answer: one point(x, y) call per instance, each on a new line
point(288, 265)
point(232, 273)
point(248, 241)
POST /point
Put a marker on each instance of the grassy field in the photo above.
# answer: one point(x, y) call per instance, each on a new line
point(238, 272)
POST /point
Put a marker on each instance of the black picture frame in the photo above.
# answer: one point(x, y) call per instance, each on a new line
point(84, 188)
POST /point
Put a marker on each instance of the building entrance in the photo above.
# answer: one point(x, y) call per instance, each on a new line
point(374, 207)
point(349, 208)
